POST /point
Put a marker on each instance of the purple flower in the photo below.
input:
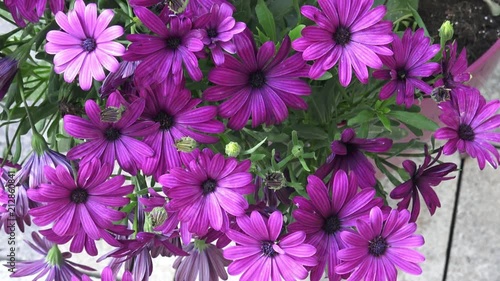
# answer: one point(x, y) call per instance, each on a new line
point(8, 70)
point(81, 204)
point(108, 141)
point(207, 190)
point(470, 122)
point(55, 265)
point(348, 32)
point(31, 10)
point(220, 27)
point(106, 275)
point(205, 261)
point(175, 44)
point(325, 217)
point(261, 253)
point(347, 155)
point(453, 68)
point(261, 85)
point(379, 246)
point(86, 45)
point(121, 77)
point(422, 179)
point(408, 64)
point(173, 112)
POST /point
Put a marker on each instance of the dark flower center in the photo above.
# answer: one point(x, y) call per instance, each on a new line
point(257, 79)
point(465, 132)
point(401, 74)
point(112, 134)
point(79, 195)
point(173, 42)
point(342, 36)
point(332, 224)
point(166, 121)
point(89, 44)
point(212, 32)
point(351, 148)
point(267, 249)
point(209, 186)
point(377, 246)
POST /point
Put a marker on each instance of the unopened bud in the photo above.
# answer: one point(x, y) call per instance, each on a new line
point(297, 150)
point(186, 144)
point(233, 149)
point(446, 31)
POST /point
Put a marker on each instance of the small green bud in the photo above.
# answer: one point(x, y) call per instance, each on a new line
point(38, 143)
point(297, 150)
point(186, 144)
point(233, 149)
point(446, 31)
point(54, 256)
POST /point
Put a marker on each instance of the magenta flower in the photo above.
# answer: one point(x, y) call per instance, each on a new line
point(379, 246)
point(347, 155)
point(262, 254)
point(207, 190)
point(86, 45)
point(422, 179)
point(408, 64)
point(470, 122)
point(106, 275)
point(173, 112)
point(108, 141)
point(8, 70)
point(325, 217)
point(31, 10)
point(347, 32)
point(453, 68)
point(80, 204)
point(54, 265)
point(193, 9)
point(261, 85)
point(219, 28)
point(122, 77)
point(175, 45)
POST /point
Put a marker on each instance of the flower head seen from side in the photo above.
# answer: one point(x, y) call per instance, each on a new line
point(80, 204)
point(31, 10)
point(85, 45)
point(453, 68)
point(261, 84)
point(262, 254)
point(324, 217)
point(220, 27)
point(210, 188)
point(110, 141)
point(347, 32)
point(54, 265)
point(163, 55)
point(347, 154)
point(106, 275)
point(176, 116)
point(407, 66)
point(470, 126)
point(8, 70)
point(422, 179)
point(379, 246)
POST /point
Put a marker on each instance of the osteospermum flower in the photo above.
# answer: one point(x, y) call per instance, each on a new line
point(207, 190)
point(422, 179)
point(31, 10)
point(108, 141)
point(175, 114)
point(262, 254)
point(379, 246)
point(453, 68)
point(81, 203)
point(347, 155)
point(347, 32)
point(174, 46)
point(325, 217)
point(407, 66)
point(470, 123)
point(220, 27)
point(54, 265)
point(106, 275)
point(85, 45)
point(262, 85)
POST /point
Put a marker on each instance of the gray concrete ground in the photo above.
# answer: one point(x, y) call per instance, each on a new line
point(475, 253)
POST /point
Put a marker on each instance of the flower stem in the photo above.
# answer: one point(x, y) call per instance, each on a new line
point(21, 91)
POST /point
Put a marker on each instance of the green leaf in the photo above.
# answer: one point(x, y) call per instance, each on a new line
point(416, 120)
point(384, 170)
point(418, 19)
point(266, 19)
point(385, 121)
point(310, 132)
point(362, 117)
point(297, 33)
point(253, 149)
point(399, 8)
point(325, 76)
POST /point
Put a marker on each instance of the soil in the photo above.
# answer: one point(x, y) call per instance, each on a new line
point(475, 27)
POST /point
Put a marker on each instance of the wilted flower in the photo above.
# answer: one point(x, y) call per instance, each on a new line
point(115, 79)
point(453, 68)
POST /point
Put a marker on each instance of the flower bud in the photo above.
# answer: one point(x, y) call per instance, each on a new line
point(446, 31)
point(186, 144)
point(54, 256)
point(233, 149)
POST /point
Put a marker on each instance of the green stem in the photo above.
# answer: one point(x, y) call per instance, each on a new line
point(21, 90)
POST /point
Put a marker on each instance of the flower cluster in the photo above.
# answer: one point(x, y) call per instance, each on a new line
point(231, 138)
